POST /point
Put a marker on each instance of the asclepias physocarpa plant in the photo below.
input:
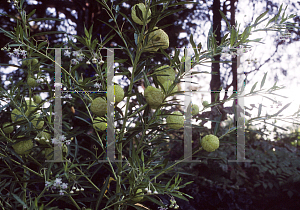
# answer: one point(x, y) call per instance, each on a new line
point(142, 120)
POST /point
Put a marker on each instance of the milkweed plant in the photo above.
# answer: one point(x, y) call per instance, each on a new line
point(29, 178)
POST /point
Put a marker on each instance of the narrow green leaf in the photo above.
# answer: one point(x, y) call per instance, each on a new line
point(7, 33)
point(232, 36)
point(224, 17)
point(194, 47)
point(103, 189)
point(42, 44)
point(260, 17)
point(94, 43)
point(30, 14)
point(283, 108)
point(91, 30)
point(167, 185)
point(263, 80)
point(108, 39)
point(179, 196)
point(192, 41)
point(210, 34)
point(142, 156)
point(42, 19)
point(199, 46)
point(224, 38)
point(86, 32)
point(136, 38)
point(80, 39)
point(218, 121)
point(280, 9)
point(21, 33)
point(16, 45)
point(19, 200)
point(7, 64)
point(283, 15)
point(253, 87)
point(259, 110)
point(275, 18)
point(228, 131)
point(244, 85)
point(176, 56)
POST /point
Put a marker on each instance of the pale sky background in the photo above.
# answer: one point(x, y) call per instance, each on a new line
point(289, 62)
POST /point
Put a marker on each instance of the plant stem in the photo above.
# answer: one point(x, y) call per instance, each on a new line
point(90, 181)
point(74, 202)
point(24, 186)
point(29, 169)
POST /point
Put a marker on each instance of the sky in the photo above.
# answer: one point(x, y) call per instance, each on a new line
point(288, 62)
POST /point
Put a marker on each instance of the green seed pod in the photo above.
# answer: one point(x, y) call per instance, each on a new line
point(14, 114)
point(99, 106)
point(34, 61)
point(154, 96)
point(167, 71)
point(43, 136)
point(116, 91)
point(25, 62)
point(175, 120)
point(31, 61)
point(149, 45)
point(195, 109)
point(30, 107)
point(23, 147)
point(8, 129)
point(48, 154)
point(167, 84)
point(137, 199)
point(210, 143)
point(37, 122)
point(205, 103)
point(80, 80)
point(31, 82)
point(157, 39)
point(99, 125)
point(134, 16)
point(37, 99)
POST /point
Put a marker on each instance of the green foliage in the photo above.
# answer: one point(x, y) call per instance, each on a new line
point(142, 137)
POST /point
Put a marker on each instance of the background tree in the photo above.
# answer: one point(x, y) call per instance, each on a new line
point(239, 178)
